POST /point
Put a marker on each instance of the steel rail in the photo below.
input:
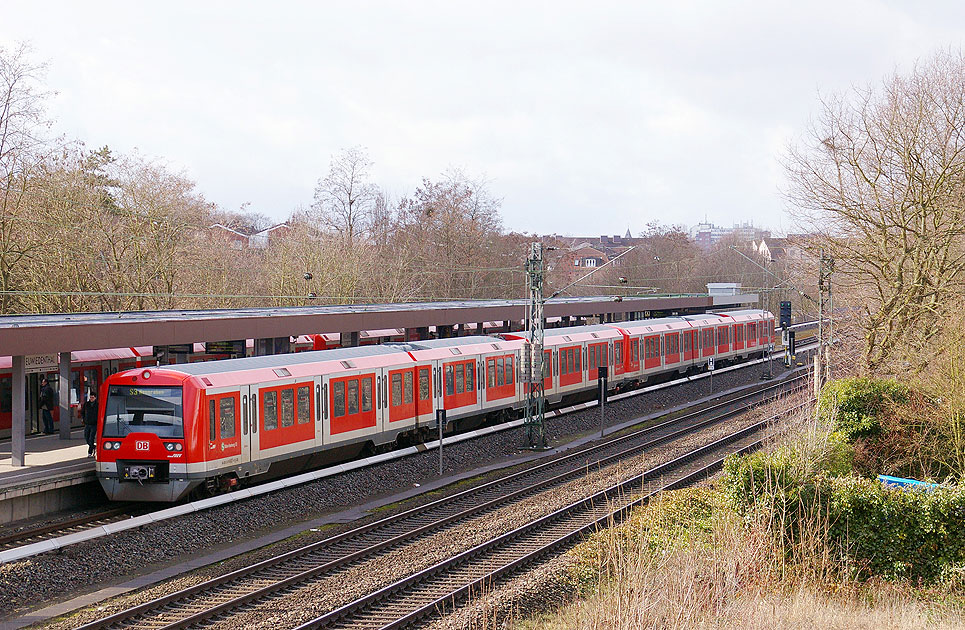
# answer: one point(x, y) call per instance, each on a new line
point(390, 524)
point(595, 508)
point(31, 549)
point(35, 534)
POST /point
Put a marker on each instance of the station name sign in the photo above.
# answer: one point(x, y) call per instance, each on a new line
point(37, 363)
point(225, 347)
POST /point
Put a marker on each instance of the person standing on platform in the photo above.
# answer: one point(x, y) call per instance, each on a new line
point(88, 412)
point(46, 405)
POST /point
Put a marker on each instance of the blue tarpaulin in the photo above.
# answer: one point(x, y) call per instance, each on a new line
point(898, 482)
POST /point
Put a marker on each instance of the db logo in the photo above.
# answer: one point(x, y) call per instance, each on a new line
point(142, 445)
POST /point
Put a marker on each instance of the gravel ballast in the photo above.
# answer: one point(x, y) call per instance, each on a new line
point(109, 560)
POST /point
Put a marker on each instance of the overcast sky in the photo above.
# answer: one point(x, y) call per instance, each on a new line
point(587, 118)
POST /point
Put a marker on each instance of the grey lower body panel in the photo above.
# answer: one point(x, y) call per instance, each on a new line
point(172, 490)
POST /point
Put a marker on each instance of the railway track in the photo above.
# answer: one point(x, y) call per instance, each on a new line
point(216, 598)
point(30, 535)
point(50, 531)
point(439, 588)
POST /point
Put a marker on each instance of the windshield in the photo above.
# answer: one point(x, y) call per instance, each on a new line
point(154, 410)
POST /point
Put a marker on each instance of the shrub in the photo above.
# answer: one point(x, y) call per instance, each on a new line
point(868, 529)
point(895, 533)
point(854, 406)
point(760, 477)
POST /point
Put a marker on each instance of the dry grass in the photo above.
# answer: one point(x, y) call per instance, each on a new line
point(687, 561)
point(727, 577)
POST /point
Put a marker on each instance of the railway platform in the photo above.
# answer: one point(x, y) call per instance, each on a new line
point(57, 475)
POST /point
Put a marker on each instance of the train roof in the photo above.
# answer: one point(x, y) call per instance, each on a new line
point(280, 360)
point(446, 348)
point(747, 312)
point(571, 334)
point(469, 340)
point(567, 330)
point(659, 325)
point(708, 318)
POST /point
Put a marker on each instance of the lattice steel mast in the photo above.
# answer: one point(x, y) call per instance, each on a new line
point(533, 350)
point(822, 360)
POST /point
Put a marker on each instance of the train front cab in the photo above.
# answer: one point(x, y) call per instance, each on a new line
point(143, 439)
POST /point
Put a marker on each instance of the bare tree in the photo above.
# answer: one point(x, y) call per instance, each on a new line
point(450, 225)
point(345, 199)
point(22, 140)
point(881, 179)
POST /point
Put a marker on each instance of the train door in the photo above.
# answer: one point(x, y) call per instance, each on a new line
point(402, 396)
point(246, 425)
point(225, 441)
point(423, 401)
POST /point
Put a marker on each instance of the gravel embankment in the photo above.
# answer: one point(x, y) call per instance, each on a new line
point(325, 595)
point(47, 578)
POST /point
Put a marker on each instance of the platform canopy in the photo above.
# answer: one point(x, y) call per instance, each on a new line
point(42, 334)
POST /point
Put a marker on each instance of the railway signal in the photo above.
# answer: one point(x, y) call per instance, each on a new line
point(785, 314)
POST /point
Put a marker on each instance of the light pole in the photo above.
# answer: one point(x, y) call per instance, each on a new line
point(766, 370)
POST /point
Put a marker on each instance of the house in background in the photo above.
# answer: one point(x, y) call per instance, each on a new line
point(236, 239)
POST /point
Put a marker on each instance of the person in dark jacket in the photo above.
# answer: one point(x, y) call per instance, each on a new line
point(47, 405)
point(88, 411)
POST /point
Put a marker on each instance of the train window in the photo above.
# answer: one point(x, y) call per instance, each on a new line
point(269, 401)
point(367, 394)
point(470, 377)
point(352, 397)
point(212, 422)
point(509, 370)
point(304, 404)
point(287, 407)
point(491, 371)
point(396, 390)
point(547, 360)
point(500, 370)
point(592, 357)
point(338, 399)
point(618, 353)
point(424, 384)
point(227, 405)
point(460, 378)
point(407, 387)
point(635, 350)
point(450, 387)
point(569, 361)
point(6, 394)
point(579, 365)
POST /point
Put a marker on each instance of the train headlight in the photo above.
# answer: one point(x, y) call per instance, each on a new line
point(108, 446)
point(169, 446)
point(179, 447)
point(116, 446)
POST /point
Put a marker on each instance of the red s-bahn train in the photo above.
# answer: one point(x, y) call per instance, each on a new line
point(171, 431)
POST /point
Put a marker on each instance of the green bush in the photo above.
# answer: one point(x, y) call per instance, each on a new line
point(871, 529)
point(854, 406)
point(759, 477)
point(897, 533)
